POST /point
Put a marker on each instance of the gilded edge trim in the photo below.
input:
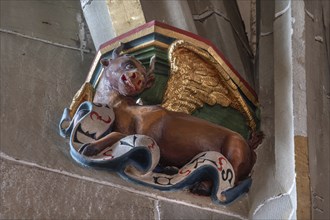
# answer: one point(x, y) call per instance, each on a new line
point(176, 35)
point(128, 38)
point(148, 44)
point(85, 93)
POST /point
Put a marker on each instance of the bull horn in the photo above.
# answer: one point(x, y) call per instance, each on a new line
point(117, 51)
point(152, 65)
point(105, 62)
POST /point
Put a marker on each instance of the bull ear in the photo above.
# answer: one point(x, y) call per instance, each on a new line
point(116, 52)
point(151, 65)
point(150, 81)
point(105, 62)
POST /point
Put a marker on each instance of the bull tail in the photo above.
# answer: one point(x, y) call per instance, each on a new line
point(254, 141)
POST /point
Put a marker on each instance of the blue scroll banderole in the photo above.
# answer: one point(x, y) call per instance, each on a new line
point(135, 157)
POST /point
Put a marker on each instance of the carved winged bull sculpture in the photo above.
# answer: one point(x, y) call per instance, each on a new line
point(152, 145)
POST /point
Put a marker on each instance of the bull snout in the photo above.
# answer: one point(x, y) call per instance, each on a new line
point(133, 79)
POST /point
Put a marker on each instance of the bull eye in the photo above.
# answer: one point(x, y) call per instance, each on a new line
point(129, 66)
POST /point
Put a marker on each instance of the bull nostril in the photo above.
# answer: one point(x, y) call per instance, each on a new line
point(123, 77)
point(134, 75)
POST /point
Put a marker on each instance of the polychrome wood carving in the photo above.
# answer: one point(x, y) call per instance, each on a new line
point(162, 145)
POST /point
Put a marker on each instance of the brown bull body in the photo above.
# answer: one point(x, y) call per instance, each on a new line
point(179, 136)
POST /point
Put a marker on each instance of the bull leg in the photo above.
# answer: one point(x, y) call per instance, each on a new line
point(239, 154)
point(96, 147)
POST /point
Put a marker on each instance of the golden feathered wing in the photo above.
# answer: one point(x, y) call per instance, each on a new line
point(197, 78)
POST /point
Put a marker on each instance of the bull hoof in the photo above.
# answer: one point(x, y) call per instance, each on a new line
point(170, 170)
point(88, 150)
point(202, 188)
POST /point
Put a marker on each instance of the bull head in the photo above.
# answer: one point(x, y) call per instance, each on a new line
point(126, 74)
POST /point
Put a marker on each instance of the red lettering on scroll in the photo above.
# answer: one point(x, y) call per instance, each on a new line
point(99, 117)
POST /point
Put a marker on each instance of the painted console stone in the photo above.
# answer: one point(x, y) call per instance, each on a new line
point(160, 144)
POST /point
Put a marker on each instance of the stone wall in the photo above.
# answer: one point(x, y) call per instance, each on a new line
point(46, 52)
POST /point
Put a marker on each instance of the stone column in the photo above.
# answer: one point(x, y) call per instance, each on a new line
point(175, 13)
point(300, 110)
point(273, 195)
point(107, 19)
